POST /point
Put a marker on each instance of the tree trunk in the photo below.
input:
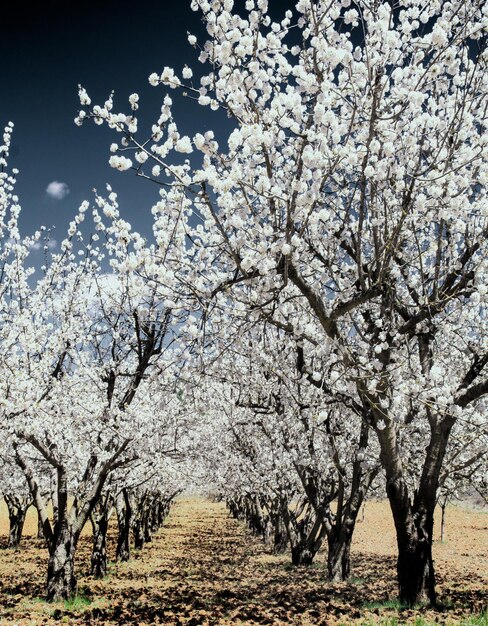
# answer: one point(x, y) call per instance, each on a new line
point(123, 539)
point(254, 516)
point(99, 552)
point(147, 524)
point(139, 512)
point(339, 557)
point(61, 580)
point(414, 522)
point(280, 539)
point(301, 555)
point(138, 531)
point(305, 530)
point(340, 533)
point(17, 510)
point(443, 520)
point(62, 536)
point(40, 529)
point(156, 516)
point(16, 521)
point(124, 515)
point(414, 527)
point(416, 577)
point(55, 505)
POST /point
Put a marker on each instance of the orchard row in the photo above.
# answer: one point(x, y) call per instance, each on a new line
point(307, 324)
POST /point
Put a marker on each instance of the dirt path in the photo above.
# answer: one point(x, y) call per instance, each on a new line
point(204, 568)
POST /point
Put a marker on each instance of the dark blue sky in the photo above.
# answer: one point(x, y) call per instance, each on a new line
point(47, 48)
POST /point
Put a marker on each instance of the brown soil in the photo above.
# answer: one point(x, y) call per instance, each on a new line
point(203, 568)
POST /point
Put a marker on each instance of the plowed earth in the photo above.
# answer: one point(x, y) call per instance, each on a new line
point(204, 568)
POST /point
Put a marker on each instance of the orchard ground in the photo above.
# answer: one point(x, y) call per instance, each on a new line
point(205, 568)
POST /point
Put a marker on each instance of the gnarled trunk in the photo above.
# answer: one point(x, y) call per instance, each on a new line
point(301, 554)
point(17, 510)
point(415, 567)
point(138, 531)
point(139, 518)
point(147, 524)
point(99, 550)
point(414, 522)
point(124, 515)
point(16, 526)
point(415, 570)
point(280, 538)
point(40, 529)
point(61, 580)
point(62, 536)
point(254, 515)
point(339, 557)
point(343, 523)
point(156, 516)
point(306, 534)
point(275, 534)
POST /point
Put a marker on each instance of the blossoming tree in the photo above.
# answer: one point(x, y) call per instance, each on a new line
point(354, 180)
point(87, 358)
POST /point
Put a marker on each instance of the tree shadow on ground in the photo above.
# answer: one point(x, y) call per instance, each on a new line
point(203, 569)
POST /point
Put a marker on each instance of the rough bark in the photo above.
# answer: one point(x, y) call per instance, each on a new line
point(139, 504)
point(306, 530)
point(443, 520)
point(416, 576)
point(301, 554)
point(147, 523)
point(99, 522)
point(414, 522)
point(138, 532)
point(350, 500)
point(124, 516)
point(62, 536)
point(17, 510)
point(280, 539)
point(339, 557)
point(254, 515)
point(40, 529)
point(61, 580)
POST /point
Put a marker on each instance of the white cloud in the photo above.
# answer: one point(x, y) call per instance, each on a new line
point(56, 190)
point(43, 244)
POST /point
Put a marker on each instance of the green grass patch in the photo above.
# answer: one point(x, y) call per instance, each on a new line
point(393, 603)
point(356, 580)
point(478, 620)
point(38, 600)
point(77, 603)
point(389, 621)
point(474, 620)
